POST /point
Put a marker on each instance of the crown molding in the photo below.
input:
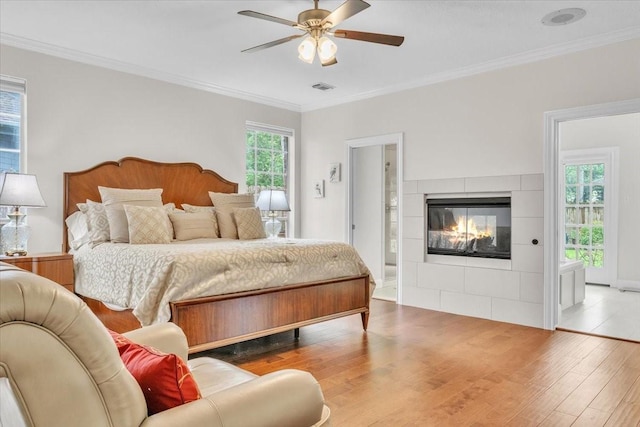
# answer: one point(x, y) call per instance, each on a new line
point(89, 59)
point(505, 62)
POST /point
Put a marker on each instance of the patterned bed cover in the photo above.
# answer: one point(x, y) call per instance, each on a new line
point(146, 278)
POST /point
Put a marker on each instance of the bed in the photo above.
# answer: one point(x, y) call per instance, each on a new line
point(222, 319)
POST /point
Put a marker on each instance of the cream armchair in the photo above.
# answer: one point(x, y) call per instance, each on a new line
point(60, 367)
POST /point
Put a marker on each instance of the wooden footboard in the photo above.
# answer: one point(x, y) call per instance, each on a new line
point(212, 322)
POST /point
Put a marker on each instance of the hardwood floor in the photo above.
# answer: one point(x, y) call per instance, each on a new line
point(418, 367)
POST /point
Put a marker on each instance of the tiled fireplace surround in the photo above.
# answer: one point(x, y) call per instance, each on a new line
point(508, 291)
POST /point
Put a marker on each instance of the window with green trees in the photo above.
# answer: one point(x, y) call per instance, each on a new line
point(584, 213)
point(267, 163)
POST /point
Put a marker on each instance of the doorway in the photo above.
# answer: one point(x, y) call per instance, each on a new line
point(599, 316)
point(374, 208)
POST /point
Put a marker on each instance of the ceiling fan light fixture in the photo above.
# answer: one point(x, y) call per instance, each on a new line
point(327, 51)
point(307, 50)
point(316, 24)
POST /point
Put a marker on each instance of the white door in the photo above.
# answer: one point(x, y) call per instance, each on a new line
point(590, 211)
point(367, 228)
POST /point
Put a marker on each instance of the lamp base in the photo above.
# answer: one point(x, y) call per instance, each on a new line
point(18, 252)
point(272, 227)
point(15, 234)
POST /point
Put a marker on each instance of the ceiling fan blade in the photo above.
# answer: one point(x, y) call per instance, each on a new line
point(344, 11)
point(273, 43)
point(259, 15)
point(369, 37)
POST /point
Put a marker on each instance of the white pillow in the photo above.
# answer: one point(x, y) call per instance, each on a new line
point(249, 223)
point(97, 221)
point(148, 224)
point(114, 200)
point(171, 208)
point(77, 230)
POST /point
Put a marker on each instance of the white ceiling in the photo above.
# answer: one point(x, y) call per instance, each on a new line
point(198, 43)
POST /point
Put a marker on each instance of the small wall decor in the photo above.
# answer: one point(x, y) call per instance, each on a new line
point(334, 172)
point(318, 189)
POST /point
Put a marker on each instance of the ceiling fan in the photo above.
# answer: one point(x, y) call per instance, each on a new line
point(317, 24)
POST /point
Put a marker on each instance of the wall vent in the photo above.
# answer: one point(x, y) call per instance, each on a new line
point(323, 86)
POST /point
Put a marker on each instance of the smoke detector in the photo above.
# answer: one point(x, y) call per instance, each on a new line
point(564, 16)
point(323, 86)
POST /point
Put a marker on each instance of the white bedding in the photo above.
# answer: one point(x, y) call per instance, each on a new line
point(147, 277)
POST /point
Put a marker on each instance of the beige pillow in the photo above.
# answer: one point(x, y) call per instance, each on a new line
point(249, 223)
point(114, 200)
point(208, 209)
point(196, 225)
point(224, 204)
point(148, 224)
point(97, 221)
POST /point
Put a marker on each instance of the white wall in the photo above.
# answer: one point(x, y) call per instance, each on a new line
point(485, 125)
point(80, 115)
point(479, 126)
point(621, 131)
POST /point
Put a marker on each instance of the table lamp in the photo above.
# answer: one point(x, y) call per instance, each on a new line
point(272, 201)
point(18, 190)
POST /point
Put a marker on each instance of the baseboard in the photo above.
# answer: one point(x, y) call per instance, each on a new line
point(628, 285)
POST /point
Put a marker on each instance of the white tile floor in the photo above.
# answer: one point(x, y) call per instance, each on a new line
point(605, 311)
point(387, 290)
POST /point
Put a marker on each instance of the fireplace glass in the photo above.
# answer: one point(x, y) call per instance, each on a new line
point(476, 227)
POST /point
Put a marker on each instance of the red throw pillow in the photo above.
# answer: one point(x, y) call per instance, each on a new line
point(165, 379)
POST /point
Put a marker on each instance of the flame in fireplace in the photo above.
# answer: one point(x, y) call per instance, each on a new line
point(471, 230)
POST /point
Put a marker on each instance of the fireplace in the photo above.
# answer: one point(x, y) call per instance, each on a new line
point(471, 227)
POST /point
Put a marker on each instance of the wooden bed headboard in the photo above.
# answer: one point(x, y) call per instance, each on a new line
point(181, 183)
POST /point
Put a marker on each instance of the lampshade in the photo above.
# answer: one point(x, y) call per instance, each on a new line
point(20, 190)
point(327, 51)
point(307, 50)
point(272, 200)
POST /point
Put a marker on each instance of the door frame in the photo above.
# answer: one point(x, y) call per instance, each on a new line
point(552, 212)
point(351, 144)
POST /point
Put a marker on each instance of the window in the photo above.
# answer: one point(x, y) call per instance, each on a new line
point(590, 210)
point(267, 163)
point(584, 213)
point(12, 127)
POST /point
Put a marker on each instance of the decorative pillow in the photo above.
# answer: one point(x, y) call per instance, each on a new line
point(224, 204)
point(196, 225)
point(210, 209)
point(77, 229)
point(165, 379)
point(114, 200)
point(171, 208)
point(148, 225)
point(249, 223)
point(97, 221)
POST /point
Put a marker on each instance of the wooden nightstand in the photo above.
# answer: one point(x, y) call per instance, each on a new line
point(55, 266)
